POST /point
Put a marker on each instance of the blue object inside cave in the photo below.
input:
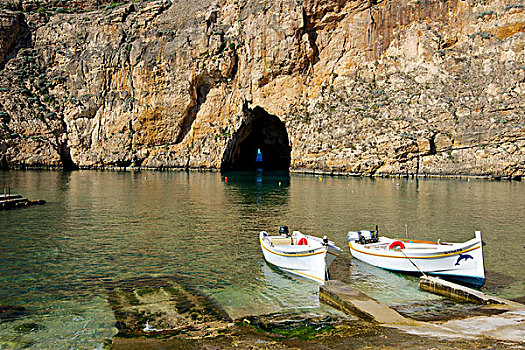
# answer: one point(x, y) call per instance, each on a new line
point(262, 132)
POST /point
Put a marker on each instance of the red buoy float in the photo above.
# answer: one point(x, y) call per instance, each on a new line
point(396, 244)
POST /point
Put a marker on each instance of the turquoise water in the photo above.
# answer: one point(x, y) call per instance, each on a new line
point(104, 228)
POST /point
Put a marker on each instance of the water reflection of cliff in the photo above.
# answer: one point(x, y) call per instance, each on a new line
point(266, 188)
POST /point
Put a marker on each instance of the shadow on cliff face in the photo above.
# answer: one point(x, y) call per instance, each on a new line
point(263, 131)
point(200, 92)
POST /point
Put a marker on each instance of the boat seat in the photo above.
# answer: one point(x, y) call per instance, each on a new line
point(282, 240)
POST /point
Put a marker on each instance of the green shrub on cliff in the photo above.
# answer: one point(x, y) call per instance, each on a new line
point(484, 13)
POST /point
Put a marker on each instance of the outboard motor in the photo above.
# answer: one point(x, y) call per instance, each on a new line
point(352, 236)
point(283, 231)
point(366, 236)
point(363, 236)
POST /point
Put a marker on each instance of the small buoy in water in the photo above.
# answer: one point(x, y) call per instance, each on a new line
point(320, 178)
point(226, 179)
point(279, 183)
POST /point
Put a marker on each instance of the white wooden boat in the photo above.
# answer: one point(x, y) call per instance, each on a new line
point(458, 262)
point(303, 255)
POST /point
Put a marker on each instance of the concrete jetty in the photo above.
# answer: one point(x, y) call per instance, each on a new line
point(345, 298)
point(455, 291)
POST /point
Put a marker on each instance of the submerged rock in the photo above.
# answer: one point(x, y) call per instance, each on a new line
point(304, 326)
point(10, 313)
point(443, 310)
point(29, 327)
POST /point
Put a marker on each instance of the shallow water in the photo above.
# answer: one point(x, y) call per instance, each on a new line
point(101, 228)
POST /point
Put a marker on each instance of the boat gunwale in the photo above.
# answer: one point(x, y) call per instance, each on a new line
point(299, 253)
point(456, 251)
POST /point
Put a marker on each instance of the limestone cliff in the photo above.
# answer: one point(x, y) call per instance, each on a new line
point(426, 87)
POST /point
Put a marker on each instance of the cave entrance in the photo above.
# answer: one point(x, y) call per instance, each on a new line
point(263, 131)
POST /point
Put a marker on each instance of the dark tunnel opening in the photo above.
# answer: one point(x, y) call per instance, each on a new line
point(263, 131)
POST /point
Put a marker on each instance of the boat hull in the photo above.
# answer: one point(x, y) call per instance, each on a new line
point(459, 262)
point(310, 262)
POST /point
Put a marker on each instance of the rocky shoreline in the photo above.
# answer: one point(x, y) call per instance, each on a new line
point(162, 313)
point(348, 335)
point(313, 172)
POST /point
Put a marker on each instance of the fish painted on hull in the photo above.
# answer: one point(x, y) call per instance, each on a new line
point(463, 256)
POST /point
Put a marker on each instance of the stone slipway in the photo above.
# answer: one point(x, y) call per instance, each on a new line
point(341, 296)
point(507, 326)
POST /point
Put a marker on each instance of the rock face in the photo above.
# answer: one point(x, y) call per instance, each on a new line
point(360, 87)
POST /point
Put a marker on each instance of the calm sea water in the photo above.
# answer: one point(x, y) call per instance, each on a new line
point(105, 227)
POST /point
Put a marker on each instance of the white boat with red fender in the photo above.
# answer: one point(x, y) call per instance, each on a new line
point(457, 262)
point(300, 254)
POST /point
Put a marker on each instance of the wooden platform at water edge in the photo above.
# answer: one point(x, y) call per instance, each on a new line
point(13, 201)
